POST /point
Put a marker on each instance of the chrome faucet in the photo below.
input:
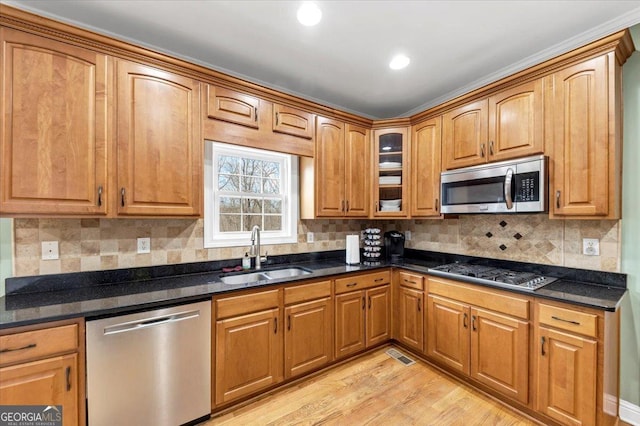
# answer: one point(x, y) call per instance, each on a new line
point(255, 245)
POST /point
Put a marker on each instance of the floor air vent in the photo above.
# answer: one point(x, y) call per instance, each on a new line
point(395, 354)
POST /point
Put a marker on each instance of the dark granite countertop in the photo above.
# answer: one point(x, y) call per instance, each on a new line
point(31, 300)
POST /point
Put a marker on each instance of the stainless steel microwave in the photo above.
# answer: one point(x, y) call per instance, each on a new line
point(513, 186)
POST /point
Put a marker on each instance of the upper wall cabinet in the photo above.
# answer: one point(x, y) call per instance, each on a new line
point(390, 172)
point(54, 127)
point(509, 124)
point(159, 149)
point(584, 104)
point(243, 119)
point(425, 168)
point(341, 171)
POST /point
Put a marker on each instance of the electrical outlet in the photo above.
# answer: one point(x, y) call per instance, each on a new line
point(591, 246)
point(50, 250)
point(407, 235)
point(144, 245)
point(310, 237)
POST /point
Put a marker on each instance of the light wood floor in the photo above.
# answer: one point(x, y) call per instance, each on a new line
point(375, 390)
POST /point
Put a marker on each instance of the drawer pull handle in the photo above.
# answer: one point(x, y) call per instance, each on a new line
point(275, 325)
point(378, 280)
point(289, 322)
point(542, 340)
point(347, 205)
point(564, 320)
point(465, 320)
point(558, 199)
point(482, 150)
point(352, 285)
point(473, 322)
point(419, 303)
point(122, 197)
point(255, 110)
point(436, 204)
point(369, 302)
point(491, 147)
point(410, 281)
point(363, 303)
point(29, 346)
point(100, 196)
point(68, 378)
point(277, 119)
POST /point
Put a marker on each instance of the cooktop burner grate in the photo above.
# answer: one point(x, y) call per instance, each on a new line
point(491, 275)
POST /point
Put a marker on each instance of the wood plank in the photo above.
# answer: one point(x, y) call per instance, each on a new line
point(375, 389)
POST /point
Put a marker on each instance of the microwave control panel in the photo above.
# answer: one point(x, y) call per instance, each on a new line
point(527, 188)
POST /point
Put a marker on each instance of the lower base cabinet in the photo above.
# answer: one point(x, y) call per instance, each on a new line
point(42, 367)
point(247, 355)
point(483, 334)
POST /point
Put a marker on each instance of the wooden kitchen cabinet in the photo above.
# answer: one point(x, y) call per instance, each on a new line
point(585, 112)
point(240, 118)
point(53, 150)
point(390, 171)
point(566, 356)
point(308, 338)
point(409, 309)
point(426, 140)
point(248, 353)
point(480, 333)
point(159, 148)
point(362, 317)
point(44, 366)
point(341, 171)
point(509, 124)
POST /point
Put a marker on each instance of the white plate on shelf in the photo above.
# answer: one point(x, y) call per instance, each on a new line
point(390, 180)
point(390, 165)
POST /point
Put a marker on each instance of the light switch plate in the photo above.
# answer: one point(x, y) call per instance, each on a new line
point(50, 250)
point(591, 247)
point(144, 245)
point(407, 235)
point(310, 237)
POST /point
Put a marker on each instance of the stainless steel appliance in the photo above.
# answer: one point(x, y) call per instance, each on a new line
point(150, 368)
point(394, 245)
point(513, 186)
point(489, 275)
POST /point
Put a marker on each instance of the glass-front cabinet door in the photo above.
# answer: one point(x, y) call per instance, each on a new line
point(390, 172)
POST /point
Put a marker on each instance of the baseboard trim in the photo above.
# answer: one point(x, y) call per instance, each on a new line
point(629, 412)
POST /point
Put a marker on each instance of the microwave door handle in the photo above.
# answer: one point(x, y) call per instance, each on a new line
point(508, 182)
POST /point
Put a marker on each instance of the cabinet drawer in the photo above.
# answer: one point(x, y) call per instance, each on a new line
point(494, 300)
point(358, 282)
point(568, 319)
point(302, 293)
point(30, 345)
point(407, 279)
point(247, 303)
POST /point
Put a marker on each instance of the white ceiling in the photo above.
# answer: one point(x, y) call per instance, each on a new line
point(455, 46)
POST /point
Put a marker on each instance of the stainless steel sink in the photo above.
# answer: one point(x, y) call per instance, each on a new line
point(269, 274)
point(286, 273)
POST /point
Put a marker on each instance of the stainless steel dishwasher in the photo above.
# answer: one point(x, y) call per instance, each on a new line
point(150, 368)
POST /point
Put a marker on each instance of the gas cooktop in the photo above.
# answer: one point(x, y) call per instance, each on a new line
point(490, 275)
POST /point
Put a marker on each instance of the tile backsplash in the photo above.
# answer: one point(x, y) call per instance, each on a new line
point(95, 244)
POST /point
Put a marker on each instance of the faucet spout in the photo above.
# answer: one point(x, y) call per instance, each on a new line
point(255, 244)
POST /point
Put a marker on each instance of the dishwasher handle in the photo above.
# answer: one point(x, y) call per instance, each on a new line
point(150, 322)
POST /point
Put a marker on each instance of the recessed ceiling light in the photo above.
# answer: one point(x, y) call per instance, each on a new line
point(398, 62)
point(309, 14)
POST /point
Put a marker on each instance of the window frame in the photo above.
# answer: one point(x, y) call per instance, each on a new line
point(213, 238)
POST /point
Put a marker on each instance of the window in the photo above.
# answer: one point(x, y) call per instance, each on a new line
point(246, 187)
